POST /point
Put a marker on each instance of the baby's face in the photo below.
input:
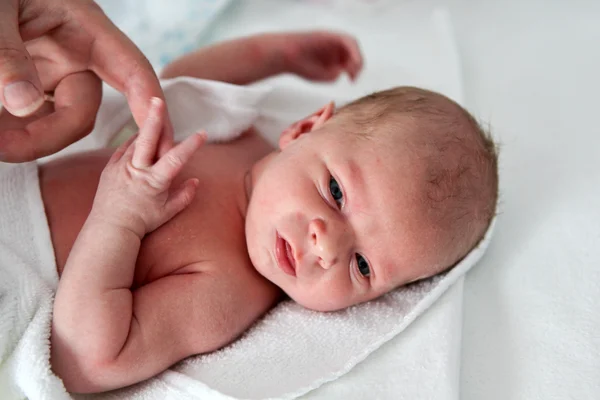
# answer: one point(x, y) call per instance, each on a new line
point(333, 219)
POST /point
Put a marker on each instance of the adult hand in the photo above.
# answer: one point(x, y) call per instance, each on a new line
point(63, 48)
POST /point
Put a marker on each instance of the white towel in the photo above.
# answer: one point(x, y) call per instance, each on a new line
point(28, 280)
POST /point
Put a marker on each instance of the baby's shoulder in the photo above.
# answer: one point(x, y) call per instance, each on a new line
point(240, 294)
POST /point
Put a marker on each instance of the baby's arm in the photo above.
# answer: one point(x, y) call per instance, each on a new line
point(104, 335)
point(320, 56)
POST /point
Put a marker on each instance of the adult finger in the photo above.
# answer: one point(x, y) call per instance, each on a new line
point(116, 59)
point(166, 138)
point(146, 143)
point(76, 101)
point(20, 87)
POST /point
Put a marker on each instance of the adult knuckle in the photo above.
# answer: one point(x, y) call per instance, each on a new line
point(143, 142)
point(137, 71)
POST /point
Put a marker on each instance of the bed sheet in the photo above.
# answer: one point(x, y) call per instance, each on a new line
point(531, 317)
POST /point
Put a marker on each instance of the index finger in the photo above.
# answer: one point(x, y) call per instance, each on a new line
point(118, 62)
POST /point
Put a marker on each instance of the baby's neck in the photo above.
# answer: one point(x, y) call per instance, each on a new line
point(256, 144)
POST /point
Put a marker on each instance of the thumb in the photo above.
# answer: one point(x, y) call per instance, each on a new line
point(20, 87)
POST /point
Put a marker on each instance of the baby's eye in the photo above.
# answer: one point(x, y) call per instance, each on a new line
point(336, 191)
point(363, 266)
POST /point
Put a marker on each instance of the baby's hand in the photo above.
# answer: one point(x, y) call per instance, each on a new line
point(135, 187)
point(322, 56)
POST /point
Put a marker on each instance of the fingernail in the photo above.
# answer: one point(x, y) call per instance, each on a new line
point(22, 98)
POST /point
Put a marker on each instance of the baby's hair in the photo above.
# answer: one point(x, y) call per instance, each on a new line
point(460, 177)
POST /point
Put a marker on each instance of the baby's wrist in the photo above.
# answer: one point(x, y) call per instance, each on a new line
point(271, 50)
point(120, 223)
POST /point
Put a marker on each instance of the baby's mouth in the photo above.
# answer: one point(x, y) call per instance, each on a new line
point(284, 255)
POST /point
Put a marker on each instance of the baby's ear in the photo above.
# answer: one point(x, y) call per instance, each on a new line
point(306, 125)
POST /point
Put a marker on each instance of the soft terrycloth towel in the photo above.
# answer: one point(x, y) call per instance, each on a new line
point(28, 280)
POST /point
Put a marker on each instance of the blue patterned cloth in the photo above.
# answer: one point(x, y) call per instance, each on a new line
point(164, 29)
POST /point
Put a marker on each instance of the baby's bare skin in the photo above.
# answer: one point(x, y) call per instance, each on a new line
point(68, 187)
point(205, 238)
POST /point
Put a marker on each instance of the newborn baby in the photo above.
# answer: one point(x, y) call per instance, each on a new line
point(169, 251)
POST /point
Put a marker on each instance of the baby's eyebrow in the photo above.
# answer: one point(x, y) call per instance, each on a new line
point(355, 172)
point(354, 178)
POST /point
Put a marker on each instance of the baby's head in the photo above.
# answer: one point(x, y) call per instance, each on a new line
point(392, 188)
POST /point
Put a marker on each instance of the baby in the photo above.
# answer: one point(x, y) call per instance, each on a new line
point(166, 251)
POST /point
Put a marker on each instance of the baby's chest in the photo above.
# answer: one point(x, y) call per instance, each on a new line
point(210, 229)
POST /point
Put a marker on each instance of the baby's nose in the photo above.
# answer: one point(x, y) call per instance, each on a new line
point(327, 242)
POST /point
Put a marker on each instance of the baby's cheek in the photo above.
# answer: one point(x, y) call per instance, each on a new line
point(335, 292)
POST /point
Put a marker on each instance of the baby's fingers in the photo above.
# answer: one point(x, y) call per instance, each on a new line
point(149, 135)
point(169, 165)
point(181, 198)
point(355, 60)
point(127, 145)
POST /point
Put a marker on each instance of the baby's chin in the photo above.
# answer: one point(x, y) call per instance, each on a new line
point(320, 305)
